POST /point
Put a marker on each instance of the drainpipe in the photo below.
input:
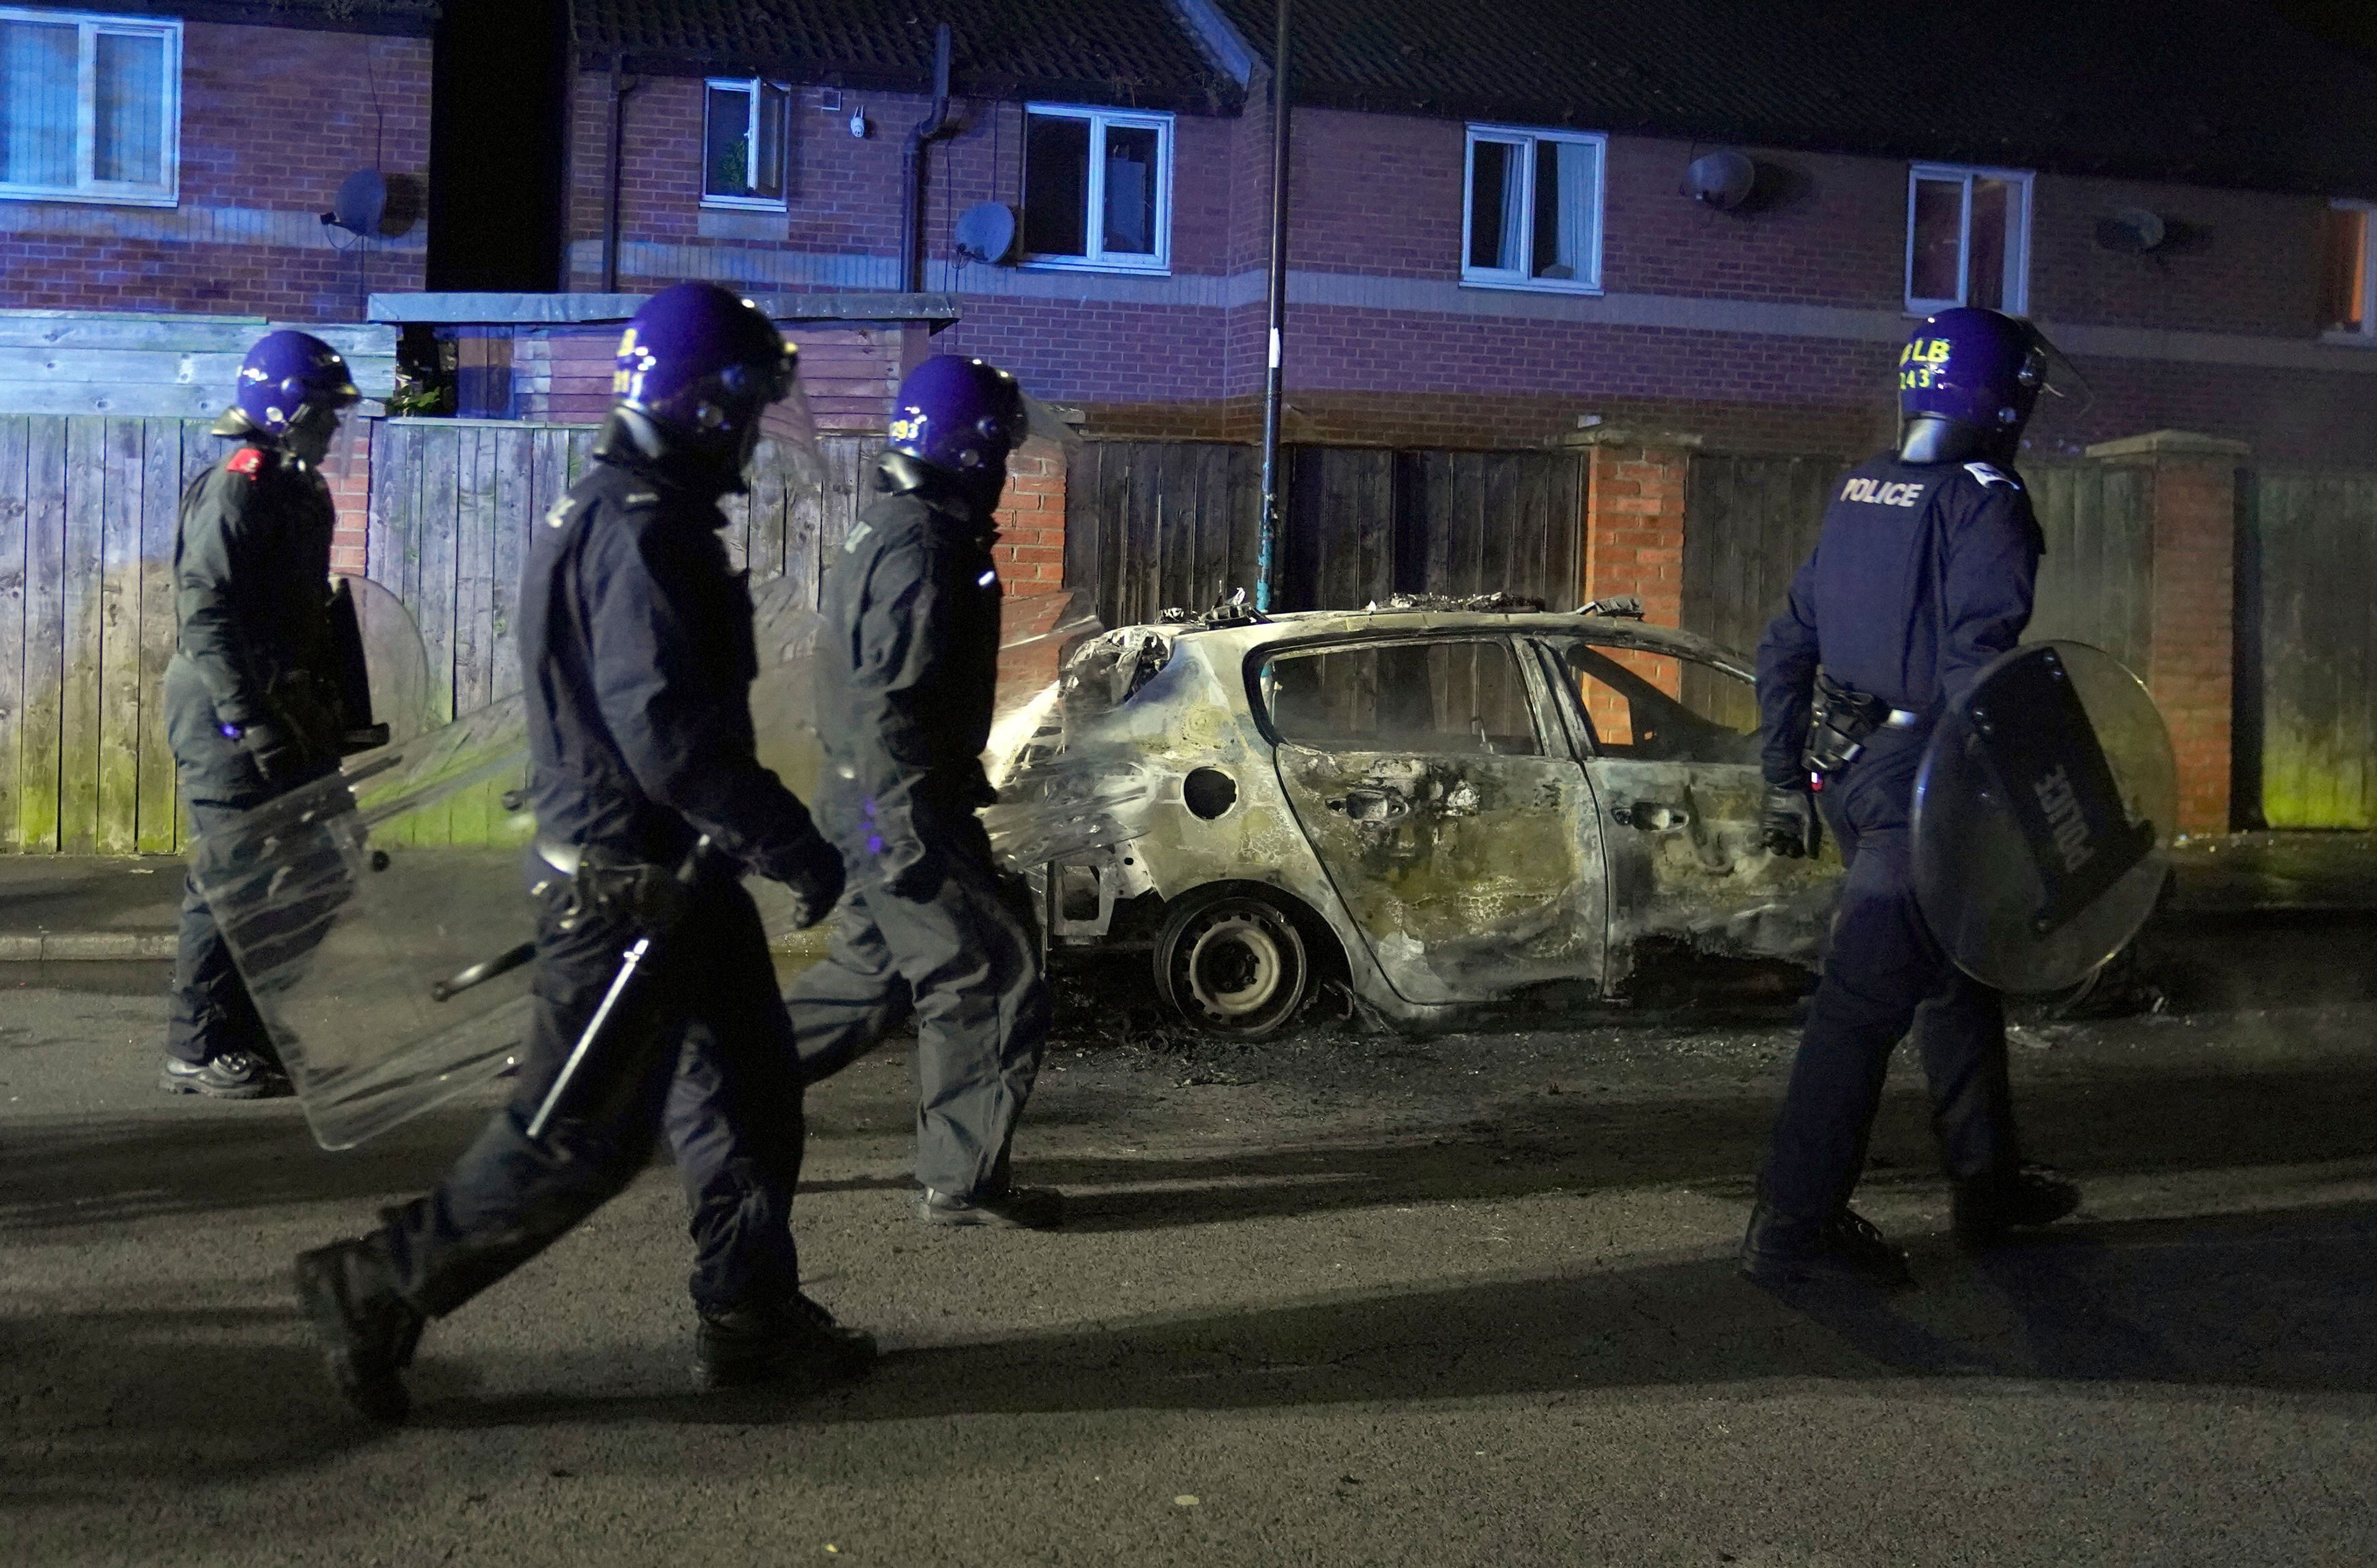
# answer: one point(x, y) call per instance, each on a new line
point(620, 90)
point(1275, 395)
point(931, 128)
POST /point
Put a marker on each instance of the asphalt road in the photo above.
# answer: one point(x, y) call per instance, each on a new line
point(1348, 1301)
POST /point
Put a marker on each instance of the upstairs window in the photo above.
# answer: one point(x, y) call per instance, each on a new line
point(743, 144)
point(90, 107)
point(1531, 211)
point(1097, 188)
point(2348, 286)
point(1968, 239)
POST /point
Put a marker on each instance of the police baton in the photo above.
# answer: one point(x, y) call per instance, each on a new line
point(630, 962)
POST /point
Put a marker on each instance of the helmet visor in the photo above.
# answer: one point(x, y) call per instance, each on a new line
point(2048, 369)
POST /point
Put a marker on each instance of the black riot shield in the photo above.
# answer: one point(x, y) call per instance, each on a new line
point(383, 668)
point(2042, 812)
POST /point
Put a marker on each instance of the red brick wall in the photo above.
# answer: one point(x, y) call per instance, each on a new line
point(1031, 549)
point(348, 470)
point(1379, 195)
point(273, 119)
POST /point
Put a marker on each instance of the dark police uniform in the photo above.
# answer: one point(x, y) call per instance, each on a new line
point(637, 659)
point(252, 582)
point(1921, 576)
point(904, 696)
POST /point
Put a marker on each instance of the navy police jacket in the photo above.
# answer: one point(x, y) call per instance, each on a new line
point(904, 698)
point(636, 663)
point(1921, 576)
point(252, 581)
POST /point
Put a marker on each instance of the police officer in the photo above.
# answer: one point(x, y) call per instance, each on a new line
point(251, 700)
point(904, 709)
point(1921, 576)
point(637, 658)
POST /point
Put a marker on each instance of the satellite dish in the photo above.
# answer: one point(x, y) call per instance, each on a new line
point(986, 231)
point(2132, 229)
point(362, 202)
point(1722, 180)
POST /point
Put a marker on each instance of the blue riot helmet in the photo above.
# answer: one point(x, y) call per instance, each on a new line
point(291, 388)
point(1967, 382)
point(703, 366)
point(963, 416)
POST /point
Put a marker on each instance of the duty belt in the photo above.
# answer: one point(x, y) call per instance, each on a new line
point(1843, 717)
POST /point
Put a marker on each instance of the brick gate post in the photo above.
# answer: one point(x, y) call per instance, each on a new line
point(2192, 638)
point(1634, 517)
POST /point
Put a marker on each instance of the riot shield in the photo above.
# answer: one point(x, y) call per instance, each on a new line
point(350, 906)
point(372, 912)
point(2042, 812)
point(396, 664)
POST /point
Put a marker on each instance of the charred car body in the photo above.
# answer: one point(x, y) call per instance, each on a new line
point(1445, 807)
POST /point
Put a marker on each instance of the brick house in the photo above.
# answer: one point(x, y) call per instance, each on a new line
point(178, 155)
point(1489, 236)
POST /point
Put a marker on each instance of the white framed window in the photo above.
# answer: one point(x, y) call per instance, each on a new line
point(1097, 188)
point(1531, 210)
point(1967, 238)
point(744, 125)
point(2347, 283)
point(90, 108)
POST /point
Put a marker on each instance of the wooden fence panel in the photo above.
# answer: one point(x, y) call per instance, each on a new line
point(38, 772)
point(157, 806)
point(2307, 622)
point(118, 799)
point(2095, 583)
point(15, 516)
point(1152, 525)
point(1749, 523)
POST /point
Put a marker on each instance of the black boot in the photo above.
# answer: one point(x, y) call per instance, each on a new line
point(1986, 1207)
point(367, 1331)
point(795, 1342)
point(1016, 1208)
point(1845, 1248)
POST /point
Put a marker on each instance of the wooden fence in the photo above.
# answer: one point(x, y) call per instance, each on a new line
point(1152, 525)
point(2306, 736)
point(87, 624)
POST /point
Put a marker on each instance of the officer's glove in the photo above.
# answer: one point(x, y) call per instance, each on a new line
point(1789, 825)
point(812, 870)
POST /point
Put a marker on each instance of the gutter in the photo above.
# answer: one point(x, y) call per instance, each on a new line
point(620, 92)
point(933, 128)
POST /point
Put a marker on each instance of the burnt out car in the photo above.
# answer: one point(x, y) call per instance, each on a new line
point(1445, 809)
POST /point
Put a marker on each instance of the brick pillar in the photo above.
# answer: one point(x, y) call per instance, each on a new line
point(2191, 640)
point(347, 470)
point(1634, 519)
point(1031, 549)
point(1634, 535)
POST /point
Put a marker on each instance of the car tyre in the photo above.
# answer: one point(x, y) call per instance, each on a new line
point(1235, 961)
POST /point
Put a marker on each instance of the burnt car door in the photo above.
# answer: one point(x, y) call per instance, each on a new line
point(1463, 847)
point(1671, 749)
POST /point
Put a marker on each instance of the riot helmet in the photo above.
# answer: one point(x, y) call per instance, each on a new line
point(1968, 380)
point(962, 416)
point(291, 388)
point(700, 365)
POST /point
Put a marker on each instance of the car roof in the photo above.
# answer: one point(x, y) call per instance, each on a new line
point(1302, 626)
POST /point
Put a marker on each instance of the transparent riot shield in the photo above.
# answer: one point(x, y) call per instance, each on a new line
point(381, 917)
point(354, 904)
point(396, 664)
point(2042, 814)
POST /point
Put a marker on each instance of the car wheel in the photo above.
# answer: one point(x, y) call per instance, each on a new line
point(1233, 963)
